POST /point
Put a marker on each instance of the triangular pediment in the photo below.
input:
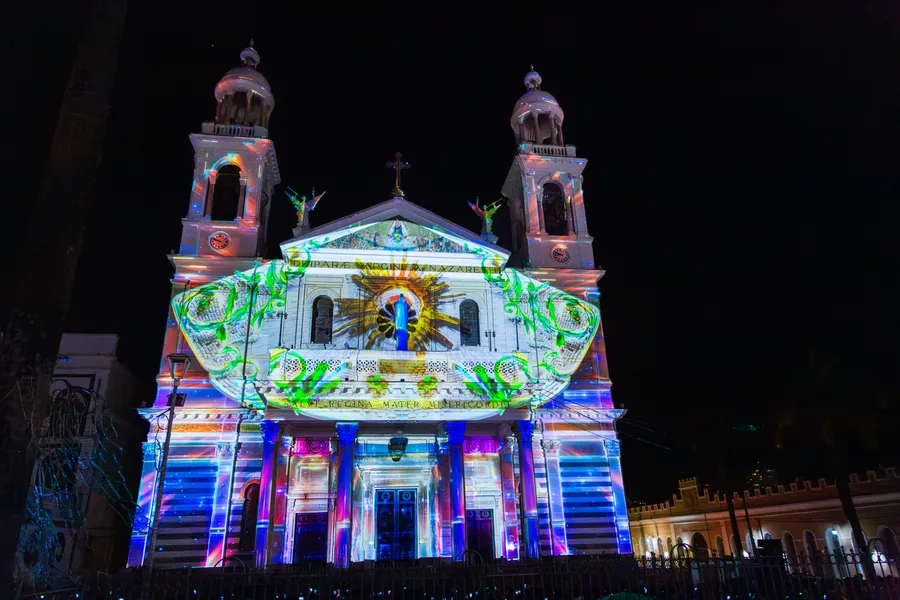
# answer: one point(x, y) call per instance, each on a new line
point(396, 225)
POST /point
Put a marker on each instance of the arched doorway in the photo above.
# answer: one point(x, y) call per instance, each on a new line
point(701, 549)
point(720, 547)
point(790, 551)
point(249, 512)
point(836, 553)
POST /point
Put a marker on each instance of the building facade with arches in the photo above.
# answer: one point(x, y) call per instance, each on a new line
point(393, 386)
point(806, 517)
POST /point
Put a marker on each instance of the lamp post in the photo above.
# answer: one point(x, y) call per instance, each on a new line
point(178, 366)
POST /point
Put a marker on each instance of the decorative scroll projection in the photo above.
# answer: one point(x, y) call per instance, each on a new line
point(232, 327)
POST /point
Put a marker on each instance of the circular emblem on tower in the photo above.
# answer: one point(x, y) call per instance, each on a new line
point(560, 254)
point(219, 241)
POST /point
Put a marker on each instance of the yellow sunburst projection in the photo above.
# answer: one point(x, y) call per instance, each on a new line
point(371, 315)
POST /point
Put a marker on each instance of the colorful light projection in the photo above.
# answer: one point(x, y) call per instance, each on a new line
point(223, 322)
point(397, 304)
point(396, 236)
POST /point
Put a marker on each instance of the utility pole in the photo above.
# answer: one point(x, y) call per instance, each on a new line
point(45, 274)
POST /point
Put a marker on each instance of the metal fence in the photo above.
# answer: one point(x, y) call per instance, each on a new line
point(571, 577)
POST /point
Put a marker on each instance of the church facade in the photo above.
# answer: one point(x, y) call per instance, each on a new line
point(394, 386)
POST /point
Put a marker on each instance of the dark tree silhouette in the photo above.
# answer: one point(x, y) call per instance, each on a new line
point(45, 273)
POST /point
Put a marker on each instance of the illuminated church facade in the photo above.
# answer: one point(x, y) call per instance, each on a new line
point(394, 386)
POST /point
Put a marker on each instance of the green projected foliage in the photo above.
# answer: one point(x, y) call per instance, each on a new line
point(230, 325)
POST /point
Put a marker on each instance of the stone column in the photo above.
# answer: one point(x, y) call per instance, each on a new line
point(218, 528)
point(140, 532)
point(530, 533)
point(558, 543)
point(456, 431)
point(443, 509)
point(623, 532)
point(508, 489)
point(343, 470)
point(276, 537)
point(266, 485)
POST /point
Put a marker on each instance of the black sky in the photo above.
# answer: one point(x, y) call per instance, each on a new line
point(741, 188)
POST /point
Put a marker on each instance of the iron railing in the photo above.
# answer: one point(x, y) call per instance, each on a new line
point(596, 577)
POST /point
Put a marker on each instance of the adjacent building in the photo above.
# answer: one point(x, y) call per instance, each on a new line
point(807, 517)
point(394, 386)
point(87, 463)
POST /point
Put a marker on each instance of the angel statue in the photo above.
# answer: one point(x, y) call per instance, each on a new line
point(486, 214)
point(303, 206)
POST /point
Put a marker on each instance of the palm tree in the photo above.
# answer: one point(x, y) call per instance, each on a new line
point(837, 409)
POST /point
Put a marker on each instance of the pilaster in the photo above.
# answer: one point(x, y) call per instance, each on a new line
point(558, 542)
point(218, 535)
point(456, 431)
point(266, 485)
point(531, 537)
point(346, 432)
point(277, 536)
point(140, 533)
point(623, 530)
point(508, 489)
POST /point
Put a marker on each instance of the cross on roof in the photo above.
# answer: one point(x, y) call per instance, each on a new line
point(398, 164)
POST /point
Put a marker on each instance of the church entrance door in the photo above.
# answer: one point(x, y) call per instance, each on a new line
point(311, 537)
point(480, 532)
point(395, 524)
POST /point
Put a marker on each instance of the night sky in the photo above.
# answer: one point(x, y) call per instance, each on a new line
point(741, 184)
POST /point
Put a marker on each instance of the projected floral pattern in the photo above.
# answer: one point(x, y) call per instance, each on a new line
point(225, 323)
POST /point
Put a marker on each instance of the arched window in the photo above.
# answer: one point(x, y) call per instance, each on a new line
point(748, 539)
point(469, 325)
point(659, 547)
point(698, 543)
point(720, 547)
point(226, 200)
point(836, 553)
point(889, 542)
point(248, 518)
point(790, 551)
point(809, 541)
point(554, 205)
point(322, 319)
point(669, 545)
point(768, 536)
point(679, 548)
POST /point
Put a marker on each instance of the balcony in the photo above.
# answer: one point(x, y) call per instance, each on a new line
point(546, 150)
point(251, 131)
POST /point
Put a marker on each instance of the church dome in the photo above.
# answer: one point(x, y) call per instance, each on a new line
point(537, 116)
point(244, 94)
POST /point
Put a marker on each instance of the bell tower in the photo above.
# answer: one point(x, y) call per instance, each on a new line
point(543, 187)
point(235, 171)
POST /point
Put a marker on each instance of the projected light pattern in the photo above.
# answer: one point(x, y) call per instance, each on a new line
point(372, 314)
point(227, 321)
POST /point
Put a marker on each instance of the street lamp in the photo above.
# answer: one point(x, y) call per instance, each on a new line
point(178, 367)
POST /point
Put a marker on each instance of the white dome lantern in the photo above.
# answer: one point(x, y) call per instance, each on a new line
point(537, 116)
point(244, 94)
